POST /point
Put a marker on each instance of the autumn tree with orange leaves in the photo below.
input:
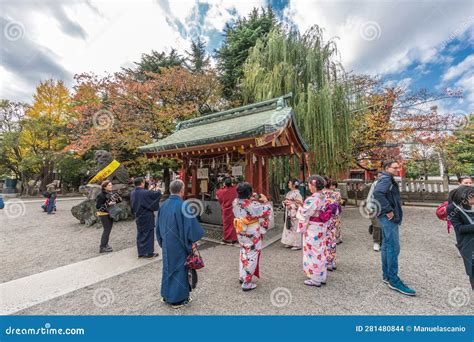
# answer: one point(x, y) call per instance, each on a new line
point(392, 123)
point(120, 113)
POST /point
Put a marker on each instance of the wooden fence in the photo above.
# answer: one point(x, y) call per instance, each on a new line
point(410, 190)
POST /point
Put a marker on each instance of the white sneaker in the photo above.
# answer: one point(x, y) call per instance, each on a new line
point(376, 247)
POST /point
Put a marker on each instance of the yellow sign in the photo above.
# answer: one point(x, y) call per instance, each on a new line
point(105, 172)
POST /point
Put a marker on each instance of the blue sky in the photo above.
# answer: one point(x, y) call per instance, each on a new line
point(413, 44)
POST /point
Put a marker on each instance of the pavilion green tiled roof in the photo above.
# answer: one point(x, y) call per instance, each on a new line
point(242, 122)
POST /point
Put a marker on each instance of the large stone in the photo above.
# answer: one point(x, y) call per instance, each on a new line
point(85, 212)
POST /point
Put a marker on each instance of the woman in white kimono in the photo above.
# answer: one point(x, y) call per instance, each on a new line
point(313, 217)
point(252, 213)
point(293, 200)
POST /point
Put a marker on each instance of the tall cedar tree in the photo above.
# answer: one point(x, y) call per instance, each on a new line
point(239, 38)
point(154, 62)
point(197, 59)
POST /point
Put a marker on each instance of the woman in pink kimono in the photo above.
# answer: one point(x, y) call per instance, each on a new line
point(313, 219)
point(252, 213)
point(334, 198)
point(293, 200)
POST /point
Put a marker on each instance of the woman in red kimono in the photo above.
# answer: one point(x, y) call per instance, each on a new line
point(226, 197)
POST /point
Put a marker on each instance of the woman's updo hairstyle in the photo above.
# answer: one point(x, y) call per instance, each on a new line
point(244, 190)
point(295, 182)
point(317, 181)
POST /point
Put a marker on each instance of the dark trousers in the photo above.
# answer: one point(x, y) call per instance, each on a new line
point(377, 230)
point(145, 241)
point(107, 223)
point(471, 278)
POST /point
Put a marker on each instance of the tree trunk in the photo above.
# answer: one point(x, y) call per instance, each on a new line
point(46, 175)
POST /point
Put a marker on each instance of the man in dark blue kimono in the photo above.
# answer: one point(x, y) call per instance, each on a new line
point(176, 231)
point(144, 203)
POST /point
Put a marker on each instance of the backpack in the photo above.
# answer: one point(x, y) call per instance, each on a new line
point(442, 214)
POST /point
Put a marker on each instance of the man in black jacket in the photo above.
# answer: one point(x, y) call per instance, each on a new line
point(387, 194)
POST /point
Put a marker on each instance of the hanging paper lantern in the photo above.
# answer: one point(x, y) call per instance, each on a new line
point(263, 161)
point(254, 159)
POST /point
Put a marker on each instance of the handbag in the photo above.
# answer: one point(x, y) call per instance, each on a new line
point(194, 260)
point(115, 212)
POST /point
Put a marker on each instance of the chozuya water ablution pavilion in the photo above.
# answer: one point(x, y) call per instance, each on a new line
point(239, 142)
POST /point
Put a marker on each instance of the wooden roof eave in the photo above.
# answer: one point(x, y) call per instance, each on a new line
point(218, 148)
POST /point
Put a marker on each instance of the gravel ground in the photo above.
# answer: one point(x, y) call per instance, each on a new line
point(38, 242)
point(428, 262)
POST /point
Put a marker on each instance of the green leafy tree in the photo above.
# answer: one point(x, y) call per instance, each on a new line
point(73, 170)
point(461, 152)
point(11, 152)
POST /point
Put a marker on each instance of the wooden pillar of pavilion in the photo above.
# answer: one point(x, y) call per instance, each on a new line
point(259, 182)
point(248, 168)
point(195, 184)
point(265, 180)
point(184, 173)
point(302, 167)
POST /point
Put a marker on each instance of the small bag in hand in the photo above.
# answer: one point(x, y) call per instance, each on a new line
point(194, 260)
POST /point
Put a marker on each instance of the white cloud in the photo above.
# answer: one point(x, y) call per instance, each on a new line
point(105, 35)
point(114, 35)
point(403, 83)
point(459, 69)
point(404, 32)
point(466, 82)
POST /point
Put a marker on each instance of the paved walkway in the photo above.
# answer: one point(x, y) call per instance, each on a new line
point(50, 265)
point(25, 292)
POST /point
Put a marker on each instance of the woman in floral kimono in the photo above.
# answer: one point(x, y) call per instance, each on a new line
point(252, 213)
point(333, 197)
point(293, 200)
point(313, 219)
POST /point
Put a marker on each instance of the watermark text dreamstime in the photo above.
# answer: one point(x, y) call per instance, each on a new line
point(46, 330)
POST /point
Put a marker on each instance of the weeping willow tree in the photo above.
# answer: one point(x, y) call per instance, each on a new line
point(306, 66)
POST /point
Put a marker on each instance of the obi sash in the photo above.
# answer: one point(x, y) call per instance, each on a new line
point(323, 217)
point(240, 223)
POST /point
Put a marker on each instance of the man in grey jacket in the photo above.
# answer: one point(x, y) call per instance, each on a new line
point(387, 196)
